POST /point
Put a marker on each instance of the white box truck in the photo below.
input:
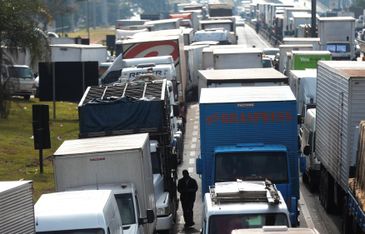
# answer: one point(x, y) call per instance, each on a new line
point(283, 49)
point(78, 52)
point(119, 163)
point(303, 84)
point(340, 108)
point(88, 211)
point(240, 77)
point(314, 41)
point(237, 58)
point(16, 207)
point(339, 43)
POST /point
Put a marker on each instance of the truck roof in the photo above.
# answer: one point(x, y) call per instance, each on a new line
point(216, 21)
point(348, 69)
point(244, 197)
point(311, 52)
point(9, 185)
point(300, 39)
point(86, 205)
point(296, 45)
point(149, 39)
point(246, 94)
point(240, 74)
point(236, 51)
point(102, 144)
point(301, 14)
point(276, 230)
point(304, 73)
point(79, 46)
point(336, 18)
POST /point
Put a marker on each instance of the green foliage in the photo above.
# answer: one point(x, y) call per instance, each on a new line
point(18, 159)
point(19, 20)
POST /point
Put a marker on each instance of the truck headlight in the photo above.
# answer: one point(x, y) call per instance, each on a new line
point(163, 211)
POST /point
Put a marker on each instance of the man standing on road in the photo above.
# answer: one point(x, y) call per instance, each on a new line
point(187, 188)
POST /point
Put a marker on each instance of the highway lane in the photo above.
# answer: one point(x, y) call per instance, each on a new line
point(311, 212)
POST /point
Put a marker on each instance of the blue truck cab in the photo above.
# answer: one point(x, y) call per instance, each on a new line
point(250, 133)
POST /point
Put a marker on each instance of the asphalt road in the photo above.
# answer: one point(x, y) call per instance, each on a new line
point(311, 212)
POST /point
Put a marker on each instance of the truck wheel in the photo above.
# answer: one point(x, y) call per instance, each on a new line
point(326, 191)
point(305, 178)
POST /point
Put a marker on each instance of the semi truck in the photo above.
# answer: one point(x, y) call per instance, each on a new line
point(88, 211)
point(240, 77)
point(118, 163)
point(300, 60)
point(245, 126)
point(243, 204)
point(16, 205)
point(158, 46)
point(340, 98)
point(139, 107)
point(341, 45)
point(237, 58)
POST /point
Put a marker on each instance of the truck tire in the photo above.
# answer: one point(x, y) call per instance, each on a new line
point(326, 191)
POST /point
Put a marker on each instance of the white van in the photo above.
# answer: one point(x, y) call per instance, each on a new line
point(19, 80)
point(87, 211)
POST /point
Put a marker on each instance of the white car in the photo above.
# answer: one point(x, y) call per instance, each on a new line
point(18, 80)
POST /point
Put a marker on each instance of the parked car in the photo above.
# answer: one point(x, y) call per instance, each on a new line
point(18, 80)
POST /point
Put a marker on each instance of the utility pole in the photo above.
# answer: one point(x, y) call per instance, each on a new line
point(313, 19)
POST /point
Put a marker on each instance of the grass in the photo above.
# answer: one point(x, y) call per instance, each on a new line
point(97, 35)
point(18, 159)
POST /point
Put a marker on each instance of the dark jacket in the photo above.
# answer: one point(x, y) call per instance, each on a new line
point(187, 188)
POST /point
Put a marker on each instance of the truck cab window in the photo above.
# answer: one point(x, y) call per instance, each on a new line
point(126, 208)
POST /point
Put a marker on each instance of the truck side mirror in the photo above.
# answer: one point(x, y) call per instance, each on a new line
point(199, 166)
point(149, 219)
point(150, 216)
point(300, 119)
point(307, 150)
point(176, 110)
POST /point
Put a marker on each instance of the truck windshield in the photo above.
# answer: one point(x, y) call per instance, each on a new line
point(338, 47)
point(251, 166)
point(222, 224)
point(20, 72)
point(76, 231)
point(156, 167)
point(126, 208)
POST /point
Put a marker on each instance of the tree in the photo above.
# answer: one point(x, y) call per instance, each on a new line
point(19, 29)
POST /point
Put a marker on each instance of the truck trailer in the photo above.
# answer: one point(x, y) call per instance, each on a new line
point(237, 58)
point(340, 98)
point(240, 77)
point(16, 206)
point(245, 126)
point(341, 45)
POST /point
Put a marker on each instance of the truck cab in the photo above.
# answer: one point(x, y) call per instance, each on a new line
point(307, 137)
point(91, 211)
point(243, 205)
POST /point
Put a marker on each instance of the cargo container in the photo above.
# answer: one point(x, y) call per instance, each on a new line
point(78, 52)
point(283, 49)
point(237, 58)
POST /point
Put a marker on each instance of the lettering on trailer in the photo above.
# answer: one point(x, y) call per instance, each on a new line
point(97, 159)
point(154, 48)
point(249, 117)
point(156, 72)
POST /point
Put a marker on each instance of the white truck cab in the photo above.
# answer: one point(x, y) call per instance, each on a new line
point(276, 230)
point(91, 211)
point(243, 205)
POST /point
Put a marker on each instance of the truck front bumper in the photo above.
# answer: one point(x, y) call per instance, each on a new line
point(164, 222)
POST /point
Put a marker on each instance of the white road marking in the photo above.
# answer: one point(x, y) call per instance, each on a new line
point(192, 161)
point(190, 170)
point(305, 212)
point(193, 146)
point(192, 154)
